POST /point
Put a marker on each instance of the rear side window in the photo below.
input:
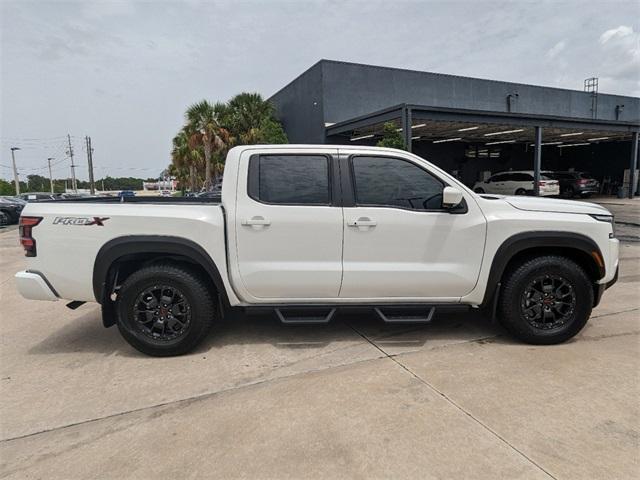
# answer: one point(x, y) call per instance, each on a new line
point(384, 181)
point(501, 177)
point(290, 179)
point(521, 177)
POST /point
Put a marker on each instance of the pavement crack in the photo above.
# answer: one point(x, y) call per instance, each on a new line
point(614, 313)
point(394, 358)
point(186, 400)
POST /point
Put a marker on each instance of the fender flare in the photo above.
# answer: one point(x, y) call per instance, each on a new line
point(536, 239)
point(118, 247)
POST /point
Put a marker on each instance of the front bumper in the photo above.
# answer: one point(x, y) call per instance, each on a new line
point(601, 287)
point(34, 286)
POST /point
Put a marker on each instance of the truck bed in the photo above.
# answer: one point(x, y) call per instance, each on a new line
point(136, 200)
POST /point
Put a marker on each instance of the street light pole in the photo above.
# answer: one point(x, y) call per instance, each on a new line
point(15, 170)
point(50, 176)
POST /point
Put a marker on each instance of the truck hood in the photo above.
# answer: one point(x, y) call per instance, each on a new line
point(538, 204)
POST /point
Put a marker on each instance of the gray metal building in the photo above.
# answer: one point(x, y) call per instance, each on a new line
point(467, 126)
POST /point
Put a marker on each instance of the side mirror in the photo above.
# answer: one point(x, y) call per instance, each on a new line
point(451, 197)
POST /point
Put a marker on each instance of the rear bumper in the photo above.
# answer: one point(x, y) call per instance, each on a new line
point(34, 286)
point(548, 192)
point(583, 190)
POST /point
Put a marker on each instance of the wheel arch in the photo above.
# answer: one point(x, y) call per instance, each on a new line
point(579, 248)
point(148, 248)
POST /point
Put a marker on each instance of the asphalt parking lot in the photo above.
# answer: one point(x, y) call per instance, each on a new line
point(355, 399)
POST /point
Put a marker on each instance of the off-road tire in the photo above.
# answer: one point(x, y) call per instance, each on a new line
point(202, 307)
point(516, 280)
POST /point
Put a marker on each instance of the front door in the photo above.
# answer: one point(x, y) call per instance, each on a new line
point(289, 226)
point(398, 240)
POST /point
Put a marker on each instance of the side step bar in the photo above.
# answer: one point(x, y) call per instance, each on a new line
point(399, 315)
point(296, 316)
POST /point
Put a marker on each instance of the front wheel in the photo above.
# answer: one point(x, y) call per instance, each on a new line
point(165, 310)
point(545, 300)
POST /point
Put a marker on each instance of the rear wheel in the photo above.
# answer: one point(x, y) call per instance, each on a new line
point(521, 191)
point(479, 190)
point(569, 192)
point(545, 300)
point(165, 310)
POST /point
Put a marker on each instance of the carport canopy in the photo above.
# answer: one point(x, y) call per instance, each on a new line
point(442, 125)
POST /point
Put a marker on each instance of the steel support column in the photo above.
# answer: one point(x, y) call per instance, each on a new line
point(406, 128)
point(633, 165)
point(537, 160)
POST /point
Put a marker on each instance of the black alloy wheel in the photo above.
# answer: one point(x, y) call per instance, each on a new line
point(548, 302)
point(162, 312)
point(166, 309)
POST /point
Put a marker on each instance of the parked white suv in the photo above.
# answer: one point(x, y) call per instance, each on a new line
point(517, 183)
point(305, 230)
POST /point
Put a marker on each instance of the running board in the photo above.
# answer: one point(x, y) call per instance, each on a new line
point(298, 316)
point(400, 315)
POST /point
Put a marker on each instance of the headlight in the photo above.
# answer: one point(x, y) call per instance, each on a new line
point(608, 219)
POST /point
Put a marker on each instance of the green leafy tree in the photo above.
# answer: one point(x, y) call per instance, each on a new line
point(202, 119)
point(185, 158)
point(391, 138)
point(251, 120)
point(7, 188)
point(38, 183)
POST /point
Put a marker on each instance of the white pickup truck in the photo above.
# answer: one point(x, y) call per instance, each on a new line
point(304, 230)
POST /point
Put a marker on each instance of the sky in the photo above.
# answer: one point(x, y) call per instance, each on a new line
point(124, 72)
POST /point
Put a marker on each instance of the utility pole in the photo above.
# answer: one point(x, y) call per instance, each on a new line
point(92, 185)
point(15, 170)
point(50, 176)
point(74, 184)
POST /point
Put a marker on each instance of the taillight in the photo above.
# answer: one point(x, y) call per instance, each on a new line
point(26, 239)
point(542, 183)
point(583, 181)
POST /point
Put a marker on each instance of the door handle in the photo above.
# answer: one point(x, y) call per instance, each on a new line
point(362, 222)
point(256, 221)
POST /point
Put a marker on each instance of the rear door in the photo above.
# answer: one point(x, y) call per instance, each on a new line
point(497, 184)
point(511, 183)
point(288, 225)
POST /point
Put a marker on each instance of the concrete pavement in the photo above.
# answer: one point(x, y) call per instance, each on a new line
point(355, 399)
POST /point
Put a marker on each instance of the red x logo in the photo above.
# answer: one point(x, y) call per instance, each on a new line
point(98, 221)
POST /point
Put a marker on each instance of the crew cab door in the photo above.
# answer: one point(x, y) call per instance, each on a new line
point(288, 225)
point(398, 240)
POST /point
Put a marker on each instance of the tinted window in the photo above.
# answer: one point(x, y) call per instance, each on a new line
point(397, 183)
point(521, 177)
point(500, 177)
point(290, 179)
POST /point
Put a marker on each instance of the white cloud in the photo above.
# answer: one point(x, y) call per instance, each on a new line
point(619, 32)
point(554, 51)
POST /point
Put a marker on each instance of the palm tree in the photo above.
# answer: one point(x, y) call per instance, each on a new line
point(245, 112)
point(184, 158)
point(203, 120)
point(250, 119)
